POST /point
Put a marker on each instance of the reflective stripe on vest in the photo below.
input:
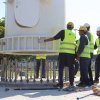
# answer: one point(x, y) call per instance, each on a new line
point(86, 51)
point(68, 45)
point(98, 45)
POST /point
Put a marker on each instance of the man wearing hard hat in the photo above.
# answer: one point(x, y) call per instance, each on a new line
point(97, 63)
point(91, 42)
point(83, 55)
point(66, 54)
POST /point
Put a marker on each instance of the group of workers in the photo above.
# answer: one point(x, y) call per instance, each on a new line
point(80, 50)
point(71, 51)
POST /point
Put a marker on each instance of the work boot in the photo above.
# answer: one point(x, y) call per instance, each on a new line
point(81, 84)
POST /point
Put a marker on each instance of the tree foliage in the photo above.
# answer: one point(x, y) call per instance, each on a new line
point(2, 27)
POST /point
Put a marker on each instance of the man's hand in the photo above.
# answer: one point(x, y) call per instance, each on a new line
point(78, 57)
point(41, 40)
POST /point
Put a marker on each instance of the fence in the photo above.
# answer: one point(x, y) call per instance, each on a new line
point(23, 74)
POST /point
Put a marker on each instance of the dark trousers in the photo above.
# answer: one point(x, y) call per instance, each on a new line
point(90, 70)
point(38, 63)
point(97, 67)
point(70, 60)
point(84, 63)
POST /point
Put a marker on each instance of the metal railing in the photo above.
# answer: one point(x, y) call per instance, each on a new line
point(17, 73)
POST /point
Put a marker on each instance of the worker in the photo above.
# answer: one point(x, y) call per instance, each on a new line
point(97, 63)
point(40, 59)
point(91, 42)
point(83, 55)
point(66, 54)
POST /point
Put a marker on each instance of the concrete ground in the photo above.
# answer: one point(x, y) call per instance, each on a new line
point(53, 94)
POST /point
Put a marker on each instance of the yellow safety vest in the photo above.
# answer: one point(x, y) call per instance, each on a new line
point(68, 45)
point(86, 51)
point(41, 56)
point(91, 42)
point(98, 45)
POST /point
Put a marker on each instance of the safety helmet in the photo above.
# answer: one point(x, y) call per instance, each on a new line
point(70, 24)
point(98, 29)
point(82, 28)
point(86, 25)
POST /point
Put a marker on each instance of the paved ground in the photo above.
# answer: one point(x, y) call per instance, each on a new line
point(46, 95)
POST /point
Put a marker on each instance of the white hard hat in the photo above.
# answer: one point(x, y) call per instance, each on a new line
point(98, 29)
point(86, 25)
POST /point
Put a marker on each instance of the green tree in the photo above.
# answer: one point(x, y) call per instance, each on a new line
point(2, 27)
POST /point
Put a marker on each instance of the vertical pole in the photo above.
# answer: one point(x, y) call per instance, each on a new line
point(21, 80)
point(27, 80)
point(34, 70)
point(30, 66)
point(41, 71)
point(2, 70)
point(6, 67)
point(15, 71)
point(50, 69)
point(56, 66)
point(47, 70)
point(54, 71)
point(10, 66)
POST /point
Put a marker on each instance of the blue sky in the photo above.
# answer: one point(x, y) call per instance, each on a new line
point(2, 8)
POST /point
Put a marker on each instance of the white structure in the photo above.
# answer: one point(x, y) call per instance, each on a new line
point(31, 21)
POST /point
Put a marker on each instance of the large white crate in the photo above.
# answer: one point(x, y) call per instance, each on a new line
point(27, 21)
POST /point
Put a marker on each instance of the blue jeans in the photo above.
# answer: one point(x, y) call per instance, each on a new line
point(84, 63)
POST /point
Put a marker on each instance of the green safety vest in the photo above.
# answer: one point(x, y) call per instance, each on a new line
point(41, 56)
point(86, 51)
point(68, 45)
point(91, 42)
point(98, 45)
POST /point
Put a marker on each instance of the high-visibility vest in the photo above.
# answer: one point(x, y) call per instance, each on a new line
point(68, 45)
point(86, 51)
point(91, 42)
point(41, 56)
point(98, 45)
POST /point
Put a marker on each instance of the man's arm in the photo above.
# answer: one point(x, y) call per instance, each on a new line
point(83, 42)
point(95, 46)
point(49, 39)
point(59, 35)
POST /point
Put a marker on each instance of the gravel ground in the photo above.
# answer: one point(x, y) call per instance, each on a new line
point(46, 95)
